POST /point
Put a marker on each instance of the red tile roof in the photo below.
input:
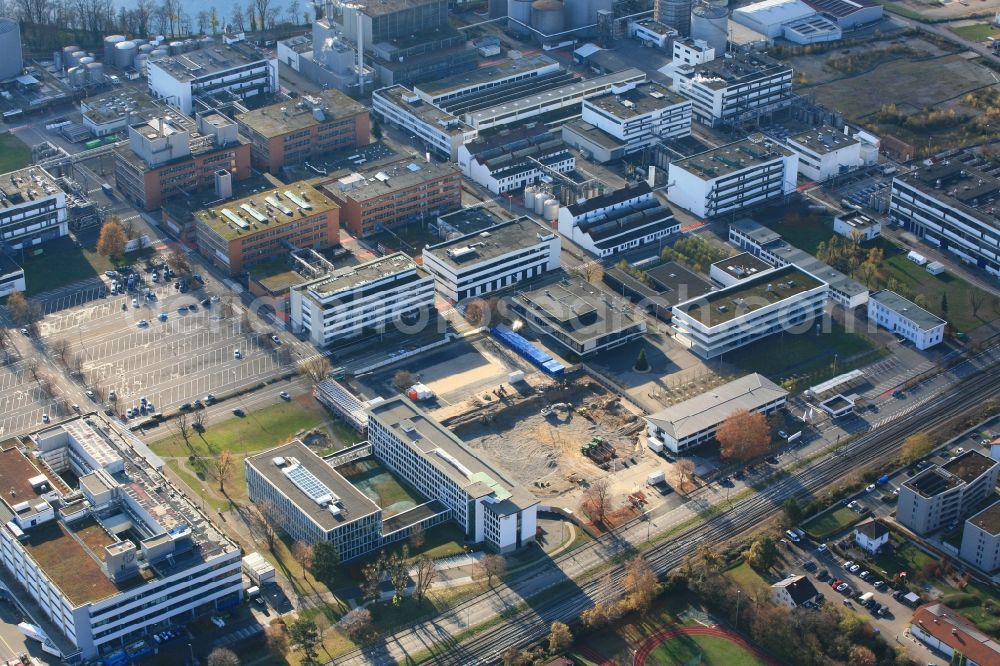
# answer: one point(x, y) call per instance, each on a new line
point(957, 632)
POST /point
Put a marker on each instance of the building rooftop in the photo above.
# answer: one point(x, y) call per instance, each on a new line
point(8, 266)
point(969, 466)
point(855, 218)
point(957, 632)
point(756, 231)
point(593, 134)
point(119, 103)
point(840, 8)
point(441, 120)
point(873, 529)
point(389, 178)
point(907, 309)
point(811, 27)
point(381, 7)
point(265, 210)
point(739, 69)
point(312, 485)
point(742, 266)
point(931, 482)
point(20, 187)
point(579, 310)
point(468, 220)
point(506, 140)
point(718, 307)
point(300, 44)
point(676, 284)
point(732, 157)
point(966, 180)
point(710, 409)
point(641, 99)
point(353, 276)
point(307, 111)
point(655, 26)
point(498, 240)
point(612, 198)
point(774, 11)
point(503, 70)
point(823, 140)
point(206, 61)
point(799, 588)
point(988, 519)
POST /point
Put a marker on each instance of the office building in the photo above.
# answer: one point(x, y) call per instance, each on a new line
point(237, 235)
point(297, 131)
point(951, 205)
point(488, 506)
point(170, 155)
point(942, 496)
point(694, 421)
point(11, 276)
point(484, 262)
point(783, 300)
point(442, 133)
point(857, 226)
point(213, 69)
point(582, 320)
point(466, 221)
point(981, 539)
point(794, 592)
point(617, 221)
point(395, 195)
point(368, 298)
point(904, 317)
point(732, 178)
point(516, 158)
point(110, 112)
point(734, 89)
point(32, 208)
point(848, 14)
point(105, 545)
point(954, 635)
point(657, 289)
point(736, 269)
point(769, 246)
point(825, 152)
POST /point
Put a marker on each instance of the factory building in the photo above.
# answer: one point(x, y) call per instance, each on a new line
point(825, 152)
point(511, 160)
point(116, 110)
point(620, 220)
point(442, 133)
point(32, 208)
point(793, 20)
point(848, 14)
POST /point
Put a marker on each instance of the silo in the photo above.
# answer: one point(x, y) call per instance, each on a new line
point(76, 76)
point(550, 210)
point(497, 8)
point(140, 42)
point(10, 49)
point(140, 63)
point(676, 14)
point(520, 10)
point(109, 46)
point(145, 48)
point(95, 72)
point(67, 57)
point(529, 197)
point(74, 57)
point(547, 16)
point(158, 53)
point(86, 60)
point(710, 22)
point(190, 45)
point(540, 198)
point(125, 54)
point(176, 47)
point(577, 13)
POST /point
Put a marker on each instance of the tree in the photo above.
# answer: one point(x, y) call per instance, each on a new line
point(403, 379)
point(178, 261)
point(262, 9)
point(324, 562)
point(491, 567)
point(762, 553)
point(303, 554)
point(399, 573)
point(261, 528)
point(199, 421)
point(226, 307)
point(915, 446)
point(183, 428)
point(744, 435)
point(59, 348)
point(316, 368)
point(483, 312)
point(371, 574)
point(277, 640)
point(590, 271)
point(356, 621)
point(236, 21)
point(793, 511)
point(426, 573)
point(302, 632)
point(21, 311)
point(417, 537)
point(944, 304)
point(597, 500)
point(222, 657)
point(640, 584)
point(560, 638)
point(862, 656)
point(111, 241)
point(685, 470)
point(641, 364)
point(222, 468)
point(977, 299)
point(322, 622)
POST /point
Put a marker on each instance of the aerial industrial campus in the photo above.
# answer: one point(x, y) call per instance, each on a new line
point(520, 332)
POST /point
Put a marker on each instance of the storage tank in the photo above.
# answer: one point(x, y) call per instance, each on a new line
point(676, 14)
point(95, 72)
point(145, 48)
point(190, 45)
point(76, 76)
point(125, 54)
point(497, 8)
point(140, 63)
point(140, 42)
point(85, 60)
point(548, 16)
point(176, 47)
point(550, 210)
point(74, 57)
point(540, 198)
point(577, 13)
point(521, 11)
point(67, 56)
point(158, 53)
point(710, 22)
point(11, 60)
point(529, 197)
point(109, 46)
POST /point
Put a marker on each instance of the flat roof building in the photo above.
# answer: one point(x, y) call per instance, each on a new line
point(443, 133)
point(857, 226)
point(494, 259)
point(11, 276)
point(735, 269)
point(516, 158)
point(236, 235)
point(694, 421)
point(825, 152)
point(113, 111)
point(466, 221)
point(458, 90)
point(664, 287)
point(980, 545)
point(943, 496)
point(32, 208)
point(848, 14)
point(904, 317)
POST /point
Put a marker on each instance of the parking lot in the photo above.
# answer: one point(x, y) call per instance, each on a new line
point(22, 402)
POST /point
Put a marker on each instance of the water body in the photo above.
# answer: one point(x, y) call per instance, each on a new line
point(224, 8)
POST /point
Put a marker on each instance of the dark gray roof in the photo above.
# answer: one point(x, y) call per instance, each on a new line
point(799, 588)
point(483, 245)
point(609, 199)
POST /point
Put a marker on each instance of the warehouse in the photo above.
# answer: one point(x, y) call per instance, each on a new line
point(848, 14)
point(617, 221)
point(768, 17)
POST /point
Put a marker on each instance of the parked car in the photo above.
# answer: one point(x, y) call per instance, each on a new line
point(275, 339)
point(237, 354)
point(809, 565)
point(239, 412)
point(186, 407)
point(142, 323)
point(821, 548)
point(865, 575)
point(854, 568)
point(843, 588)
point(284, 395)
point(210, 398)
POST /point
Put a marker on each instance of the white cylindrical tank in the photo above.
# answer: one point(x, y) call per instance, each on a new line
point(11, 59)
point(75, 56)
point(145, 48)
point(140, 63)
point(710, 22)
point(530, 194)
point(159, 53)
point(548, 16)
point(550, 210)
point(140, 42)
point(540, 198)
point(77, 76)
point(109, 46)
point(125, 54)
point(176, 47)
point(521, 11)
point(85, 60)
point(95, 72)
point(67, 56)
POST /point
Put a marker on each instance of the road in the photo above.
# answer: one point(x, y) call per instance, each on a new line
point(561, 589)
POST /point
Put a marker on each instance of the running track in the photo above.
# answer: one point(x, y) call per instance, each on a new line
point(659, 637)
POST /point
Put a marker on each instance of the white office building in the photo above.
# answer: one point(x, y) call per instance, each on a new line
point(732, 177)
point(488, 506)
point(785, 300)
point(904, 317)
point(440, 131)
point(120, 554)
point(857, 225)
point(825, 152)
point(212, 69)
point(483, 262)
point(617, 221)
point(515, 158)
point(369, 297)
point(32, 208)
point(11, 276)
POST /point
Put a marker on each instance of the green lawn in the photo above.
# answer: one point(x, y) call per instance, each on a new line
point(831, 522)
point(712, 651)
point(906, 557)
point(375, 481)
point(14, 153)
point(977, 32)
point(801, 227)
point(748, 579)
point(61, 262)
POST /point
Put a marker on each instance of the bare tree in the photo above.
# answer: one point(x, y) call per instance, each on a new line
point(59, 348)
point(246, 324)
point(32, 366)
point(316, 368)
point(491, 567)
point(371, 574)
point(199, 421)
point(399, 572)
point(591, 271)
point(76, 364)
point(260, 527)
point(183, 428)
point(178, 261)
point(977, 299)
point(303, 554)
point(685, 470)
point(226, 307)
point(262, 8)
point(425, 575)
point(597, 500)
point(222, 468)
point(322, 622)
point(356, 621)
point(222, 657)
point(236, 17)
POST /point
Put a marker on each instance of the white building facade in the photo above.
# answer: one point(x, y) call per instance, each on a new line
point(620, 220)
point(33, 209)
point(724, 91)
point(639, 115)
point(904, 317)
point(178, 85)
point(443, 133)
point(825, 153)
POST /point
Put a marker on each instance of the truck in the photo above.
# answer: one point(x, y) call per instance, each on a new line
point(655, 445)
point(107, 189)
point(865, 598)
point(656, 478)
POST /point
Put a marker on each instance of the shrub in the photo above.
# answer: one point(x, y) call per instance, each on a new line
point(960, 600)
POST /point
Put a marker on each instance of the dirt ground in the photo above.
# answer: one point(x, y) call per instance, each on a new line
point(938, 10)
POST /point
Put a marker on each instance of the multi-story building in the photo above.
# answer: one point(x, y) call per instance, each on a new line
point(734, 89)
point(312, 502)
point(786, 299)
point(32, 208)
point(514, 159)
point(694, 421)
point(299, 130)
point(210, 70)
point(488, 506)
point(733, 177)
point(904, 317)
point(579, 318)
point(617, 221)
point(652, 32)
point(733, 270)
point(981, 539)
point(857, 226)
point(172, 155)
point(116, 553)
point(11, 276)
point(368, 297)
point(635, 116)
point(657, 289)
point(942, 496)
point(396, 194)
point(117, 109)
point(466, 221)
point(794, 592)
point(239, 234)
point(441, 132)
point(952, 205)
point(483, 262)
point(769, 246)
point(825, 152)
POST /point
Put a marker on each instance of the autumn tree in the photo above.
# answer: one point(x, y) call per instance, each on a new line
point(222, 657)
point(491, 567)
point(640, 584)
point(744, 435)
point(315, 368)
point(222, 468)
point(302, 632)
point(862, 656)
point(178, 261)
point(276, 637)
point(685, 469)
point(356, 621)
point(915, 446)
point(483, 312)
point(324, 562)
point(303, 554)
point(597, 500)
point(762, 553)
point(560, 638)
point(111, 241)
point(399, 572)
point(425, 575)
point(21, 310)
point(371, 576)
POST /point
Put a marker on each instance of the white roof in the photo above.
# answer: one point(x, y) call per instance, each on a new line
point(587, 50)
point(769, 12)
